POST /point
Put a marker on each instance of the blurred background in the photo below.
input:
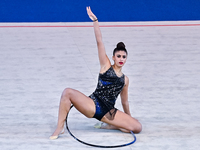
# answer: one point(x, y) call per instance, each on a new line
point(106, 10)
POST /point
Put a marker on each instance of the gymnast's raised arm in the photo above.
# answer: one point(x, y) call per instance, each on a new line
point(103, 58)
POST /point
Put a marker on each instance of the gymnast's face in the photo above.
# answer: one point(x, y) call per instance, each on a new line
point(120, 58)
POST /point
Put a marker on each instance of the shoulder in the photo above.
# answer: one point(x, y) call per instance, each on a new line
point(126, 80)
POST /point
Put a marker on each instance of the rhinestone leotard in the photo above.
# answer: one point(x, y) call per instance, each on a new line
point(108, 88)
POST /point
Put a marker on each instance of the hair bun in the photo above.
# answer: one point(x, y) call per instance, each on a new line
point(120, 45)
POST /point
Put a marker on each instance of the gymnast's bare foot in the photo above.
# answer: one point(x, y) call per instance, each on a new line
point(105, 126)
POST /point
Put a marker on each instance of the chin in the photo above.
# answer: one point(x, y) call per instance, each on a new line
point(120, 65)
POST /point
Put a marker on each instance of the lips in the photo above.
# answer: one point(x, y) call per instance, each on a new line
point(121, 63)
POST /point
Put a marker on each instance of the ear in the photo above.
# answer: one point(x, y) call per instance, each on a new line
point(113, 58)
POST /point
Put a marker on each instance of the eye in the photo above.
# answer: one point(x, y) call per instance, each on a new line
point(118, 56)
point(124, 56)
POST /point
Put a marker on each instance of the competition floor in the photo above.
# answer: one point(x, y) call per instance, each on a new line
point(39, 60)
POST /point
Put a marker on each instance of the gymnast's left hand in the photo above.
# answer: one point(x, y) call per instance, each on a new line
point(90, 14)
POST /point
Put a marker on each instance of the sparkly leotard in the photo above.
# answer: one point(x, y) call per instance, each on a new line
point(108, 88)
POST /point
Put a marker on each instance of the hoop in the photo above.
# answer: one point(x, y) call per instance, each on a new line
point(100, 146)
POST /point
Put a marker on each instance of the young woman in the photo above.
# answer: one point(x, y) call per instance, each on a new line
point(111, 83)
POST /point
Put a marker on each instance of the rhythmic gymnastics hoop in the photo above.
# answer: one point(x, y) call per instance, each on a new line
point(100, 146)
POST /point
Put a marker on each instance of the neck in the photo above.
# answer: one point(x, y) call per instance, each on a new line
point(117, 69)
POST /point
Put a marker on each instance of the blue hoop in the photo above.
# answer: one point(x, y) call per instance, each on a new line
point(100, 146)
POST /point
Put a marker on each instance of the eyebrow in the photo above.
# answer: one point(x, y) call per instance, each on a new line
point(120, 55)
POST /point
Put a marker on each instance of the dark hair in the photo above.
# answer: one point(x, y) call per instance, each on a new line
point(120, 47)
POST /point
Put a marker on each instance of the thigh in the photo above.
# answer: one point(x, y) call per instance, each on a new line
point(125, 121)
point(82, 103)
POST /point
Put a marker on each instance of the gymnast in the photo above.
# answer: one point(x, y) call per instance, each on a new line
point(100, 104)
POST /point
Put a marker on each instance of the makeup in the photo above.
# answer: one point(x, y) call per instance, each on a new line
point(123, 56)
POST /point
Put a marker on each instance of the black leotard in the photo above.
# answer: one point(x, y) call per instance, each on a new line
point(108, 88)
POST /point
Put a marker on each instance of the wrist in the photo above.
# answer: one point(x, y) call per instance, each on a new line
point(95, 20)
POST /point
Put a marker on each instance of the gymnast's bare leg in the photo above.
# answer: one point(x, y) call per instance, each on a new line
point(81, 102)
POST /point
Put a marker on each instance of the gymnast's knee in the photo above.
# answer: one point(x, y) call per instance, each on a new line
point(67, 92)
point(137, 128)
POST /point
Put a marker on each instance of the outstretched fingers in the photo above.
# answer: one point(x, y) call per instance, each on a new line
point(90, 13)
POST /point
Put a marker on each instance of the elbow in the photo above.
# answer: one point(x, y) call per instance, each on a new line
point(125, 103)
point(99, 42)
